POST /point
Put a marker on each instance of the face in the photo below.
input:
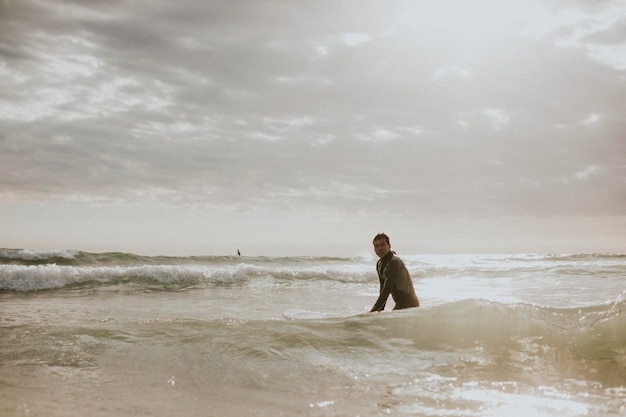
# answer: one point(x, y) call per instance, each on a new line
point(381, 247)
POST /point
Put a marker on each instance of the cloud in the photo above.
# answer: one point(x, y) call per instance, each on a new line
point(437, 108)
point(595, 27)
point(453, 71)
point(355, 39)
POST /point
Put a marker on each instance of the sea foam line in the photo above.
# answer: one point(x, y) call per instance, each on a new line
point(50, 276)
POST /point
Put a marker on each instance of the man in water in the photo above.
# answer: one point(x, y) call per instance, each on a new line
point(393, 276)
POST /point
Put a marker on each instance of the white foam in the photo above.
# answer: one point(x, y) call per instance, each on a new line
point(49, 276)
point(32, 255)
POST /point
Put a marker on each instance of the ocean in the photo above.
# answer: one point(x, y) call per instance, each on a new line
point(118, 334)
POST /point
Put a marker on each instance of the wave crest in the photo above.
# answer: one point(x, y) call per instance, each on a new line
point(52, 276)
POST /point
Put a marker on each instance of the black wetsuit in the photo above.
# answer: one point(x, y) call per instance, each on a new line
point(395, 280)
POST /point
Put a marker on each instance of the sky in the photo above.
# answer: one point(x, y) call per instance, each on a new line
point(290, 127)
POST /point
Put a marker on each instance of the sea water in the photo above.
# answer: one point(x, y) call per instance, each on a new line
point(116, 334)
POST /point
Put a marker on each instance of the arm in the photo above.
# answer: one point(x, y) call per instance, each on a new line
point(379, 305)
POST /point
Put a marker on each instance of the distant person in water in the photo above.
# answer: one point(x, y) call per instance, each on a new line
point(238, 253)
point(393, 276)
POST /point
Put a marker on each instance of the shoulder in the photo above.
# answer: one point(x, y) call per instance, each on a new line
point(396, 261)
point(395, 258)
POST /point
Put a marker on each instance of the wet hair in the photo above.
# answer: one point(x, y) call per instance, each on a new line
point(381, 236)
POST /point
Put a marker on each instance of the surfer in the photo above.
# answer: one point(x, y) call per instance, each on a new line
point(393, 276)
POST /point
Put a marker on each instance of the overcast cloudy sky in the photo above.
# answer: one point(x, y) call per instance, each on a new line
point(305, 127)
